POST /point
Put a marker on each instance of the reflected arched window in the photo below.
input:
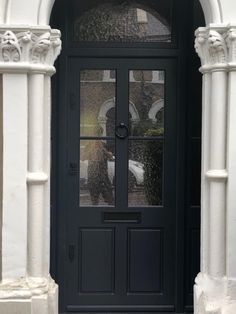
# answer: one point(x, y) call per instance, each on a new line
point(123, 22)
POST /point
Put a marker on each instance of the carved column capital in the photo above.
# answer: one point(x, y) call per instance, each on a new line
point(217, 48)
point(211, 46)
point(231, 44)
point(200, 45)
point(29, 47)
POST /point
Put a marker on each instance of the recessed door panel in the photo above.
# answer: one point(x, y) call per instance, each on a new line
point(96, 261)
point(145, 258)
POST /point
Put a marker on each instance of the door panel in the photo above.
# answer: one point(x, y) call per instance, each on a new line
point(120, 214)
point(145, 256)
point(96, 261)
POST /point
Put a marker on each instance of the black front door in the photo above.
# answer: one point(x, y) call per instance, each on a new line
point(119, 185)
point(126, 147)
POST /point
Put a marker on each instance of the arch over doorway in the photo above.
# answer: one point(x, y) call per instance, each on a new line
point(38, 12)
point(213, 10)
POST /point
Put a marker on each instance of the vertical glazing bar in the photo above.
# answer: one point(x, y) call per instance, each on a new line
point(122, 116)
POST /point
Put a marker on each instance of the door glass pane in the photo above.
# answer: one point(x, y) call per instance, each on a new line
point(146, 102)
point(97, 172)
point(97, 102)
point(145, 178)
point(124, 22)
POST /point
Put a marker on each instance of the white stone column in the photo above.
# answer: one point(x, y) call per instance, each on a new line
point(215, 288)
point(217, 173)
point(231, 166)
point(37, 176)
point(26, 61)
point(206, 117)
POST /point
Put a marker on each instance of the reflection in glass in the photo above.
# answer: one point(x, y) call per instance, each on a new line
point(146, 102)
point(97, 97)
point(124, 22)
point(145, 180)
point(97, 172)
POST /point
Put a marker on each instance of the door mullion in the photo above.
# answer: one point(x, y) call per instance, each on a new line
point(122, 116)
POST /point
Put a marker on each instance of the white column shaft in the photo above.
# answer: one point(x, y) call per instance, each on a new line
point(14, 230)
point(47, 168)
point(218, 120)
point(218, 162)
point(36, 122)
point(231, 187)
point(36, 209)
point(206, 119)
point(35, 230)
point(217, 229)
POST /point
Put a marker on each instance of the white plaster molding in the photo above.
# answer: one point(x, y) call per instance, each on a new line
point(211, 47)
point(39, 11)
point(37, 178)
point(25, 288)
point(217, 174)
point(216, 47)
point(212, 11)
point(214, 295)
point(231, 43)
point(31, 50)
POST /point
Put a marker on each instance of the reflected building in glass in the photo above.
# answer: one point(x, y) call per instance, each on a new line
point(123, 22)
point(146, 134)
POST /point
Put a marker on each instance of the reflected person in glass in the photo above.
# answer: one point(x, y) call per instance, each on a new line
point(97, 154)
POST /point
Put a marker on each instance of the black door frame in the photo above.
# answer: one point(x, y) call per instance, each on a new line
point(182, 52)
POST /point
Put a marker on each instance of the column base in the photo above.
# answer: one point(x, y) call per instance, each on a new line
point(214, 295)
point(29, 296)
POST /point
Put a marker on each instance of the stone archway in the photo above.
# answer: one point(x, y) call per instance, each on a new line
point(39, 11)
point(26, 82)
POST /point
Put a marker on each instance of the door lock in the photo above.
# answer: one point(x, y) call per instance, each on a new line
point(73, 168)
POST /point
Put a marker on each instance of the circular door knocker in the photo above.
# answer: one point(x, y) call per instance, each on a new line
point(122, 131)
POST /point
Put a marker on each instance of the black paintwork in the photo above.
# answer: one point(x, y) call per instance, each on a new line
point(174, 229)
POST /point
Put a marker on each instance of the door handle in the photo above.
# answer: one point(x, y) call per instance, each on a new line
point(122, 131)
